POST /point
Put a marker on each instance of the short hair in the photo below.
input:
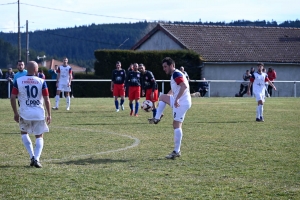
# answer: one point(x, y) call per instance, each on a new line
point(40, 70)
point(168, 60)
point(19, 61)
point(260, 63)
point(118, 62)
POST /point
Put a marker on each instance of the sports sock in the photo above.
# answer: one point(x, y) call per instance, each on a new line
point(28, 144)
point(68, 101)
point(39, 144)
point(261, 110)
point(121, 101)
point(177, 139)
point(154, 112)
point(131, 106)
point(117, 104)
point(137, 105)
point(57, 101)
point(160, 109)
point(257, 112)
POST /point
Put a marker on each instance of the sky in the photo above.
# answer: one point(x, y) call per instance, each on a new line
point(52, 14)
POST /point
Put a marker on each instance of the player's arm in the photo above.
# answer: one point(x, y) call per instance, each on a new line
point(270, 83)
point(57, 78)
point(48, 106)
point(70, 76)
point(183, 87)
point(13, 103)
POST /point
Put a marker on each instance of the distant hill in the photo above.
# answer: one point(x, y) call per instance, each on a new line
point(79, 43)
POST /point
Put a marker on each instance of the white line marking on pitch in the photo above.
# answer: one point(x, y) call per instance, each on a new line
point(136, 143)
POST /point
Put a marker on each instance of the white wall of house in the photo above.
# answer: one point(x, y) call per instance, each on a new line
point(235, 71)
point(159, 41)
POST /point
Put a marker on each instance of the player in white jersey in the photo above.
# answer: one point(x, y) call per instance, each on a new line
point(32, 92)
point(63, 83)
point(179, 99)
point(257, 81)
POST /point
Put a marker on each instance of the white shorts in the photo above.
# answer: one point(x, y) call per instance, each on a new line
point(260, 96)
point(33, 127)
point(179, 112)
point(64, 87)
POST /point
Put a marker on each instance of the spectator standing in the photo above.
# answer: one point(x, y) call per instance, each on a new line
point(203, 87)
point(53, 74)
point(134, 82)
point(258, 80)
point(117, 85)
point(32, 92)
point(252, 70)
point(185, 73)
point(179, 99)
point(21, 70)
point(41, 74)
point(272, 76)
point(9, 76)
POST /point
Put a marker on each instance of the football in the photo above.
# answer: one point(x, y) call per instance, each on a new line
point(147, 106)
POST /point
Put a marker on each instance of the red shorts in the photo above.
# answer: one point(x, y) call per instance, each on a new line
point(118, 90)
point(148, 95)
point(134, 92)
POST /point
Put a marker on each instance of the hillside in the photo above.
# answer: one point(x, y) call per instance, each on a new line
point(79, 43)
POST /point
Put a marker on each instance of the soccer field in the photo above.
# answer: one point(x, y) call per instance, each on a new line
point(92, 152)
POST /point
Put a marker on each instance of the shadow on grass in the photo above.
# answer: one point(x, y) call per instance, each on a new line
point(223, 122)
point(106, 124)
point(90, 161)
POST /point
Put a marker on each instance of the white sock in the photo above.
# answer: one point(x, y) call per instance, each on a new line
point(68, 100)
point(257, 112)
point(261, 110)
point(39, 144)
point(177, 139)
point(160, 109)
point(57, 101)
point(28, 144)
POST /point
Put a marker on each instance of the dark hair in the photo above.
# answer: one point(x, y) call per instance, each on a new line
point(260, 63)
point(168, 60)
point(118, 62)
point(19, 61)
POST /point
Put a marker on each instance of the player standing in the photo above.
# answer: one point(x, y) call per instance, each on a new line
point(257, 80)
point(63, 83)
point(149, 86)
point(118, 85)
point(179, 99)
point(134, 93)
point(31, 92)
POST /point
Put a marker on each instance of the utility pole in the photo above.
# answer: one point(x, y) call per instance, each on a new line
point(27, 43)
point(19, 33)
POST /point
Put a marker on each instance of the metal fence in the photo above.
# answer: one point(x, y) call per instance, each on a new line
point(292, 85)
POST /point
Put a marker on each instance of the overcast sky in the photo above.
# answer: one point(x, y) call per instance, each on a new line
point(51, 14)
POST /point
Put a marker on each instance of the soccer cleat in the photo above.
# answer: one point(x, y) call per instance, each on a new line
point(37, 164)
point(258, 119)
point(32, 161)
point(131, 112)
point(262, 119)
point(68, 108)
point(54, 108)
point(117, 110)
point(173, 155)
point(153, 121)
point(122, 107)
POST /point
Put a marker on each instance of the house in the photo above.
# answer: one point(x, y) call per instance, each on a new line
point(49, 64)
point(228, 51)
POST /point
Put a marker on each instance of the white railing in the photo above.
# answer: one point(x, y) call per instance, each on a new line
point(166, 81)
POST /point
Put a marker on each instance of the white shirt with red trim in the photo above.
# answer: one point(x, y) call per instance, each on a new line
point(30, 91)
point(65, 73)
point(177, 78)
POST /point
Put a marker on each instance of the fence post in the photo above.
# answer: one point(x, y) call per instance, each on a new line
point(208, 88)
point(163, 87)
point(295, 91)
point(8, 89)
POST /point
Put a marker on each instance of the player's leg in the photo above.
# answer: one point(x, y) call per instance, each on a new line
point(130, 98)
point(39, 128)
point(164, 99)
point(57, 98)
point(67, 90)
point(24, 126)
point(116, 95)
point(137, 98)
point(260, 98)
point(122, 94)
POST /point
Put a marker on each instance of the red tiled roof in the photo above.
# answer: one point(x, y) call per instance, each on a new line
point(234, 43)
point(51, 63)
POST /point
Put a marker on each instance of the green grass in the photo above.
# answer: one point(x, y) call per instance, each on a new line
point(92, 152)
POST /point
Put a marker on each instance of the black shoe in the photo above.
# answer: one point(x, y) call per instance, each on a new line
point(173, 155)
point(37, 164)
point(32, 161)
point(262, 119)
point(258, 120)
